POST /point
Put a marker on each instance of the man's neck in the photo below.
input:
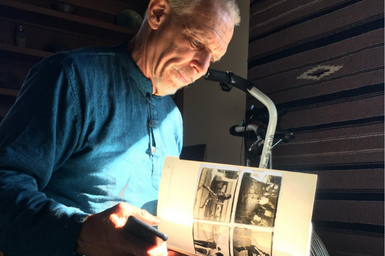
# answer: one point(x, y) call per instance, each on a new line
point(138, 48)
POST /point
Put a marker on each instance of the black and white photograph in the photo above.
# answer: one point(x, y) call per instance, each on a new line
point(248, 242)
point(212, 240)
point(215, 194)
point(257, 200)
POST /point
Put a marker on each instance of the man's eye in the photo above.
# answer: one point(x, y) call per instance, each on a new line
point(197, 42)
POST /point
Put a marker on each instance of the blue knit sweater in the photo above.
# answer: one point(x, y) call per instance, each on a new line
point(84, 134)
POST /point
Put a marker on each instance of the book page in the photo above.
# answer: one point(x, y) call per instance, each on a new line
point(216, 209)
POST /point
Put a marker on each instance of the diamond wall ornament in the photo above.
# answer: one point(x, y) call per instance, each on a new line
point(319, 72)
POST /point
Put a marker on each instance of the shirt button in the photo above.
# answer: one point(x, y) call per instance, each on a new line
point(152, 150)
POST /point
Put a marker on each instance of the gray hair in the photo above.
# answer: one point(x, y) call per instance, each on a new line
point(180, 7)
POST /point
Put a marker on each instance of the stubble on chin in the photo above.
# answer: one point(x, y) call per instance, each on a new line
point(160, 90)
point(168, 90)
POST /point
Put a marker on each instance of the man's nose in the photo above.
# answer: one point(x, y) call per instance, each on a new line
point(201, 62)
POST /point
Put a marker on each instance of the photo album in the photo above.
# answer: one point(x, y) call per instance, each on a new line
point(227, 210)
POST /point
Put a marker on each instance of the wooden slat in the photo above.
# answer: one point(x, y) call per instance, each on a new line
point(69, 22)
point(269, 14)
point(26, 52)
point(345, 244)
point(350, 179)
point(110, 7)
point(359, 211)
point(9, 92)
point(351, 110)
point(371, 141)
point(315, 29)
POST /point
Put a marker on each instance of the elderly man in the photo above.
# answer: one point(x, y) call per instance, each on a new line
point(84, 145)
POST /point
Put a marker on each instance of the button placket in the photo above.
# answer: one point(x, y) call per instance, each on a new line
point(152, 150)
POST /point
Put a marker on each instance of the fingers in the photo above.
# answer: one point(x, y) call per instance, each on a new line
point(102, 234)
point(124, 210)
point(160, 250)
point(148, 218)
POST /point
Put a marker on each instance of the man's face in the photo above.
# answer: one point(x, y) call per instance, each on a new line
point(186, 46)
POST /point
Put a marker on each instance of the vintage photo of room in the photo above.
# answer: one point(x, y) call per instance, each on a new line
point(215, 194)
point(258, 198)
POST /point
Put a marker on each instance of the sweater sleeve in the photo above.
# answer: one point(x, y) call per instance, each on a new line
point(37, 136)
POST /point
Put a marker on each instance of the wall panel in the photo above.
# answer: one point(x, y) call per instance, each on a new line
point(323, 63)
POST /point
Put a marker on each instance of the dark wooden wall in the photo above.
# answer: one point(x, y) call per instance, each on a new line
point(47, 30)
point(323, 61)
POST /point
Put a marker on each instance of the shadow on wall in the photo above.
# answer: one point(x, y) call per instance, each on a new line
point(194, 152)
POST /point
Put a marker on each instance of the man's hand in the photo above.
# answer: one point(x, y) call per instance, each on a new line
point(102, 234)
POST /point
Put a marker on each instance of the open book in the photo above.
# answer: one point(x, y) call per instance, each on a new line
point(216, 209)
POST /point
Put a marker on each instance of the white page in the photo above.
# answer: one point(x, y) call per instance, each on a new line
point(200, 222)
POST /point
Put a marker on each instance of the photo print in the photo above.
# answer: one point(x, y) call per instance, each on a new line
point(215, 194)
point(248, 242)
point(211, 239)
point(257, 200)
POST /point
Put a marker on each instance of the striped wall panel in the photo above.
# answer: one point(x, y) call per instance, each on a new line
point(323, 61)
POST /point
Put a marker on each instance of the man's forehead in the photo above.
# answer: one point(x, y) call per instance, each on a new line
point(212, 27)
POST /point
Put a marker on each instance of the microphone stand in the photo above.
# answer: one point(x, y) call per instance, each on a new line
point(227, 80)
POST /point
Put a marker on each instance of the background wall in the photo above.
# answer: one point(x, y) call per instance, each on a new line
point(323, 61)
point(208, 113)
point(48, 29)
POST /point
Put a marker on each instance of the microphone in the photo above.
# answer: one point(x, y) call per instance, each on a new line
point(239, 130)
point(227, 80)
point(223, 77)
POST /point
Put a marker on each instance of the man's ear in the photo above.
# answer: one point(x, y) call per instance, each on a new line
point(157, 12)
